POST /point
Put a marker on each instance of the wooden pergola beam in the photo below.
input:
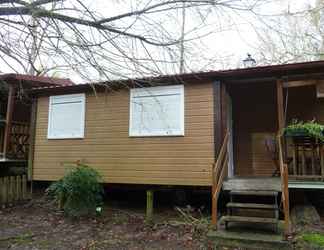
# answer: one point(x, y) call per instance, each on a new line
point(300, 83)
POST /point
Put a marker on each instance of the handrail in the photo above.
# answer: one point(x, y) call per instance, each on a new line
point(218, 174)
point(284, 185)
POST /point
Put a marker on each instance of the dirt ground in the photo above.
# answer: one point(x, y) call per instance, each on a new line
point(38, 224)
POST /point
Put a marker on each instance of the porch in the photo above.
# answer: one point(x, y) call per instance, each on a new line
point(15, 111)
point(17, 114)
point(254, 128)
point(256, 163)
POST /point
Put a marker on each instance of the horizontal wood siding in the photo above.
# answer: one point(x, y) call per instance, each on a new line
point(119, 158)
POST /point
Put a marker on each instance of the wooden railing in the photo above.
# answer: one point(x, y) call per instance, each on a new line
point(13, 189)
point(19, 141)
point(218, 174)
point(284, 185)
point(307, 159)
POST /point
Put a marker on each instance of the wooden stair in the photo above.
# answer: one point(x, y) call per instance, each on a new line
point(251, 206)
point(249, 219)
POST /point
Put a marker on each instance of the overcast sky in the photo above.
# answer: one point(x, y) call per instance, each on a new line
point(231, 34)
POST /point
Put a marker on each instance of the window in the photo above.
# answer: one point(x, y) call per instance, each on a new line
point(66, 116)
point(157, 111)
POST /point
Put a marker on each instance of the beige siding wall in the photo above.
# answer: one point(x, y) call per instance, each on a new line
point(119, 158)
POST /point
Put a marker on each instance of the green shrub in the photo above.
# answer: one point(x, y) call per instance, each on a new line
point(311, 128)
point(78, 192)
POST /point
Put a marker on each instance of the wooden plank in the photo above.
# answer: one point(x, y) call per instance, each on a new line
point(224, 112)
point(176, 181)
point(320, 89)
point(253, 193)
point(285, 199)
point(219, 172)
point(313, 159)
point(251, 205)
point(217, 117)
point(321, 160)
point(295, 160)
point(290, 84)
point(249, 219)
point(24, 187)
point(11, 193)
point(280, 105)
point(300, 177)
point(149, 205)
point(32, 131)
point(2, 191)
point(303, 160)
point(9, 113)
point(217, 190)
point(5, 190)
point(18, 188)
point(261, 184)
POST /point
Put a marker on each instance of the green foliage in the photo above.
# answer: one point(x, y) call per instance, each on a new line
point(78, 192)
point(314, 238)
point(300, 128)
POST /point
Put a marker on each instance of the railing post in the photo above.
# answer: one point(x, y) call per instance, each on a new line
point(214, 201)
point(218, 174)
point(284, 187)
point(286, 201)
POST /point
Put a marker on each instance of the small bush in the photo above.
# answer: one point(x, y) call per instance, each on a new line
point(78, 192)
point(314, 238)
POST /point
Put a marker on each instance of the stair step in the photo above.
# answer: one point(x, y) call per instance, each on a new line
point(249, 219)
point(254, 193)
point(250, 205)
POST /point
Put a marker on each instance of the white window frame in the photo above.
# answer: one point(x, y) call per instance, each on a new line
point(156, 91)
point(80, 97)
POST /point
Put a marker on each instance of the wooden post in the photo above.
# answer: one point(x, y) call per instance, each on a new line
point(286, 203)
point(11, 193)
point(283, 167)
point(1, 191)
point(10, 108)
point(4, 190)
point(295, 160)
point(322, 161)
point(18, 188)
point(24, 187)
point(214, 201)
point(218, 137)
point(149, 205)
point(32, 133)
point(280, 105)
point(32, 139)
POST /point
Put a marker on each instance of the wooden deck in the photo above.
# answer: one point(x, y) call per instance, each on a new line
point(268, 183)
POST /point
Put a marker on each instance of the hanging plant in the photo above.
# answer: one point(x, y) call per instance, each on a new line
point(300, 128)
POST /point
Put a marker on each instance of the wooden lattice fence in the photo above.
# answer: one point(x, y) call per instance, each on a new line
point(13, 189)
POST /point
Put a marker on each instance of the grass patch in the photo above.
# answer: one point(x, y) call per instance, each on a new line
point(314, 238)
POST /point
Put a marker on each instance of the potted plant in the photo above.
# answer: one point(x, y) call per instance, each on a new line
point(305, 129)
